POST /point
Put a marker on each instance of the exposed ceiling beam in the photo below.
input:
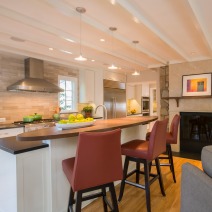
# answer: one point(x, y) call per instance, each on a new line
point(68, 11)
point(202, 28)
point(33, 23)
point(128, 5)
point(57, 32)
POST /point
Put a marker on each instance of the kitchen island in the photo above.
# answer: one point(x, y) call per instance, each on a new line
point(99, 125)
point(38, 182)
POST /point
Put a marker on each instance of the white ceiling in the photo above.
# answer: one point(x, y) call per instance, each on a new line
point(168, 31)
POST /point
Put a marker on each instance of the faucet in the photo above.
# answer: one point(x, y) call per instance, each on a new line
point(104, 110)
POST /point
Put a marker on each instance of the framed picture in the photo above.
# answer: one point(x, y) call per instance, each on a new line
point(197, 85)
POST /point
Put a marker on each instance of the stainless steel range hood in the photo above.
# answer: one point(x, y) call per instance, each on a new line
point(34, 79)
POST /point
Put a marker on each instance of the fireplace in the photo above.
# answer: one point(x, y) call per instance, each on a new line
point(195, 131)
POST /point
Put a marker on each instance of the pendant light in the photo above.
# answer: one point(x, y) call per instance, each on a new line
point(80, 10)
point(135, 73)
point(112, 29)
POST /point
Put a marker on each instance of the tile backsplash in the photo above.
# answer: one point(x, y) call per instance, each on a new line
point(15, 105)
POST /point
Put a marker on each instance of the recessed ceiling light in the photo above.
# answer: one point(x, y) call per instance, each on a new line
point(113, 2)
point(64, 51)
point(51, 49)
point(102, 40)
point(17, 39)
point(136, 20)
point(92, 60)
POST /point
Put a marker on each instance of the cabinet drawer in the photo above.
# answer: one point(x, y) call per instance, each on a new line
point(11, 132)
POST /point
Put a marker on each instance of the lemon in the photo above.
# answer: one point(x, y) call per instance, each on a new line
point(63, 121)
point(89, 119)
point(79, 116)
point(71, 117)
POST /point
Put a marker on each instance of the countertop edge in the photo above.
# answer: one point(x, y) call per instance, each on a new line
point(10, 126)
point(101, 125)
point(12, 146)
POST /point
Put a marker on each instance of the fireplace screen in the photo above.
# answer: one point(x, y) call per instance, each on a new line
point(195, 131)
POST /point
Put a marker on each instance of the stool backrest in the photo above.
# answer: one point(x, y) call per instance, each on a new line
point(98, 159)
point(157, 140)
point(174, 127)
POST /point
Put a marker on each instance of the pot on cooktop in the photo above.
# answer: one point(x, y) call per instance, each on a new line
point(32, 118)
point(28, 119)
point(37, 117)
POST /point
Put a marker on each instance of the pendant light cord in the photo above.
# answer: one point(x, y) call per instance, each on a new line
point(135, 72)
point(80, 32)
point(80, 10)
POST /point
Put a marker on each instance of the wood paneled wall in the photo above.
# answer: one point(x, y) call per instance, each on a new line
point(15, 105)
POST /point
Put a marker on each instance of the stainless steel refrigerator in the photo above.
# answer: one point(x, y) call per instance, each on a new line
point(115, 99)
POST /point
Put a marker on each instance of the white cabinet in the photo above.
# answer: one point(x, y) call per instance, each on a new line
point(138, 90)
point(86, 86)
point(134, 92)
point(11, 132)
point(130, 92)
point(145, 89)
point(24, 182)
point(89, 84)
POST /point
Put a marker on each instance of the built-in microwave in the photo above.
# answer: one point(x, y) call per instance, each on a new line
point(145, 105)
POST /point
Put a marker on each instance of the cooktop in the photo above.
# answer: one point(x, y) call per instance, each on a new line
point(34, 122)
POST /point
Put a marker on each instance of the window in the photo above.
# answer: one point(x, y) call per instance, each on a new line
point(68, 98)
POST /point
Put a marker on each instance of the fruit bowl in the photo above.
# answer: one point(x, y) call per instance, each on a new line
point(74, 125)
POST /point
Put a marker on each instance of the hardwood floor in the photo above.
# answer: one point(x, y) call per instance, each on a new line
point(134, 198)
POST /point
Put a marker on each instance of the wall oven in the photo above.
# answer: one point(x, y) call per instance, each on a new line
point(145, 105)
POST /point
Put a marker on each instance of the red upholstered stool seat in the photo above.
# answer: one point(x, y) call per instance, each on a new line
point(140, 151)
point(135, 148)
point(96, 166)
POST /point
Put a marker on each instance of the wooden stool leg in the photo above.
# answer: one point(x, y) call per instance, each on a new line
point(103, 199)
point(160, 176)
point(79, 201)
point(137, 172)
point(147, 185)
point(126, 164)
point(113, 197)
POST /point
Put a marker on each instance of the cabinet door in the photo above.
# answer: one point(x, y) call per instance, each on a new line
point(87, 85)
point(11, 132)
point(145, 89)
point(130, 92)
point(138, 90)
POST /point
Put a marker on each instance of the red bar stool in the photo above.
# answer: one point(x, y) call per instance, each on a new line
point(141, 151)
point(171, 138)
point(97, 165)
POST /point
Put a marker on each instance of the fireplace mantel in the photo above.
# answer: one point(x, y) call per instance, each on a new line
point(177, 98)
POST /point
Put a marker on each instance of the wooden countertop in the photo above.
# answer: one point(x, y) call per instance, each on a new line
point(100, 125)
